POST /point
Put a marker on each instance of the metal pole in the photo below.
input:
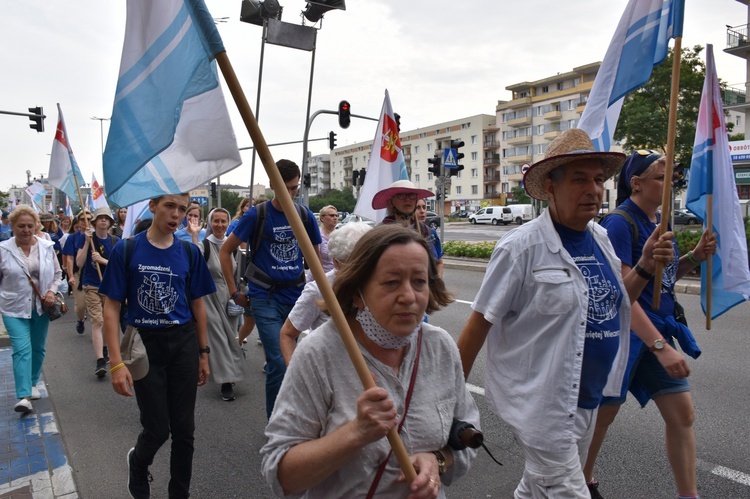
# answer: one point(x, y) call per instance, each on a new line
point(304, 194)
point(257, 102)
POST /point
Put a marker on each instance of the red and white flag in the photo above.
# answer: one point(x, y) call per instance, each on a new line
point(63, 168)
point(386, 165)
point(97, 195)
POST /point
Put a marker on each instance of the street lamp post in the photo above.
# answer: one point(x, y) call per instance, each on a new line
point(101, 133)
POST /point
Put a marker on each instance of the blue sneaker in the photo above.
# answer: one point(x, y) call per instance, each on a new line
point(79, 327)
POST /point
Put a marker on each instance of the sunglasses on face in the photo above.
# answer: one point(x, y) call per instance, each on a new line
point(406, 195)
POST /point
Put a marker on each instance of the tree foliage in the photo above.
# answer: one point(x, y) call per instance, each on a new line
point(342, 200)
point(229, 201)
point(645, 113)
point(519, 195)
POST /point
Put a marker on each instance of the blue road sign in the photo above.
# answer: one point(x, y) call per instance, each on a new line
point(449, 158)
point(201, 200)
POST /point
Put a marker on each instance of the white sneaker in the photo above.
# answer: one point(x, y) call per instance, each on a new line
point(24, 406)
point(35, 393)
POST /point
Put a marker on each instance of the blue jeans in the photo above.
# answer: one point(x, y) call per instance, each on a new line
point(29, 340)
point(269, 317)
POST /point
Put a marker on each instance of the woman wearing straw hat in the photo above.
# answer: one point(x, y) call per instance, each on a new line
point(555, 311)
point(400, 202)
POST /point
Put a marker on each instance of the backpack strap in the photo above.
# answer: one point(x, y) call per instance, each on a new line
point(206, 249)
point(629, 219)
point(260, 224)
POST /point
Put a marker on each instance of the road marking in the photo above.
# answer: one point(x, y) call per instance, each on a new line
point(724, 472)
point(463, 301)
point(475, 389)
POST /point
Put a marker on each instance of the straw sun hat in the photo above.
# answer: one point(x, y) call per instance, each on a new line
point(571, 145)
point(380, 200)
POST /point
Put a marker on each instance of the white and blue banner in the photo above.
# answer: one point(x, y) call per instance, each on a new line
point(63, 168)
point(640, 42)
point(170, 129)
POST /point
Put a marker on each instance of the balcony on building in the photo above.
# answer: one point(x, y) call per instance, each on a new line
point(734, 99)
point(492, 160)
point(325, 167)
point(491, 177)
point(516, 177)
point(522, 121)
point(737, 41)
point(519, 102)
point(492, 195)
point(491, 144)
point(520, 140)
point(519, 159)
point(553, 115)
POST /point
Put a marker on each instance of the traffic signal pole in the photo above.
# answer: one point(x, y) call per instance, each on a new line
point(35, 114)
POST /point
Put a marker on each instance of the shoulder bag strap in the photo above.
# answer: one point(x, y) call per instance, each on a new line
point(381, 468)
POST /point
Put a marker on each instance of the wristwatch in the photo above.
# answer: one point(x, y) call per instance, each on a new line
point(442, 464)
point(204, 350)
point(658, 345)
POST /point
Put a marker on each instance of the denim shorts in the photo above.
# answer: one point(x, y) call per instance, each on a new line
point(647, 370)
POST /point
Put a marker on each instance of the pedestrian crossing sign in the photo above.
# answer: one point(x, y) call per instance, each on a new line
point(449, 158)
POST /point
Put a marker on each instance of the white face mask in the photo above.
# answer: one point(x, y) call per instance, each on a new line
point(380, 335)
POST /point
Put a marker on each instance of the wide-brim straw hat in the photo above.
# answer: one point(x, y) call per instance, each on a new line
point(101, 212)
point(380, 200)
point(571, 145)
point(46, 217)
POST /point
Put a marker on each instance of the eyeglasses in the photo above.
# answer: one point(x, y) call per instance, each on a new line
point(406, 195)
point(329, 215)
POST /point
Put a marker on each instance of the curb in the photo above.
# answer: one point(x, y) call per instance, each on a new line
point(689, 286)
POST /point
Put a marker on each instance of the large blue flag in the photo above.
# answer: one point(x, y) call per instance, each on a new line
point(170, 130)
point(711, 172)
point(640, 42)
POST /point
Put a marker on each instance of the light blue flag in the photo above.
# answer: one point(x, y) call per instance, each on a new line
point(711, 172)
point(170, 129)
point(640, 42)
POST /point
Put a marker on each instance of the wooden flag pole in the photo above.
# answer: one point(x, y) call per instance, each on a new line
point(666, 197)
point(311, 257)
point(86, 223)
point(709, 260)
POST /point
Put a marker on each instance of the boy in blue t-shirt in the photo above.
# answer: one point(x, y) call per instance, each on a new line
point(93, 248)
point(281, 276)
point(163, 281)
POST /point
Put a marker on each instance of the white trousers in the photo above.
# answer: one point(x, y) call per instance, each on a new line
point(558, 475)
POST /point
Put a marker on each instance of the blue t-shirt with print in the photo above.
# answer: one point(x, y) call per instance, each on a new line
point(89, 275)
point(621, 236)
point(279, 254)
point(603, 321)
point(155, 283)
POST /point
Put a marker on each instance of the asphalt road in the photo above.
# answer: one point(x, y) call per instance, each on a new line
point(99, 426)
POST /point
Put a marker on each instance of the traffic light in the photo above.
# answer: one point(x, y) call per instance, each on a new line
point(37, 122)
point(457, 144)
point(332, 141)
point(355, 177)
point(397, 117)
point(315, 10)
point(679, 181)
point(436, 168)
point(344, 114)
point(213, 190)
point(306, 180)
point(362, 173)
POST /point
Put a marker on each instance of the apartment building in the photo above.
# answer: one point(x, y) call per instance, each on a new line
point(737, 103)
point(319, 168)
point(538, 112)
point(467, 189)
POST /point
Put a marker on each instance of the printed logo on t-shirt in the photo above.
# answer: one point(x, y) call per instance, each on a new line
point(156, 294)
point(284, 248)
point(604, 295)
point(669, 275)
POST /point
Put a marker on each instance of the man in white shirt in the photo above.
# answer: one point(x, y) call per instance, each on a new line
point(554, 309)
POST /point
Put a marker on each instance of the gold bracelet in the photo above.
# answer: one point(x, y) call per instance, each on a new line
point(118, 366)
point(692, 260)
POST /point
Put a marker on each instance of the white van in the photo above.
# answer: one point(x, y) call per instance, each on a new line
point(491, 214)
point(521, 213)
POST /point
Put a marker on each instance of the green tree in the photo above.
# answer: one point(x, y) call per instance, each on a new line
point(644, 118)
point(519, 195)
point(229, 201)
point(342, 200)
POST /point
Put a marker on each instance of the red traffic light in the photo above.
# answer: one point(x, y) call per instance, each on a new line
point(344, 114)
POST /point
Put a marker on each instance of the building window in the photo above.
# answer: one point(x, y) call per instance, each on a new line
point(473, 139)
point(474, 156)
point(429, 147)
point(416, 163)
point(474, 190)
point(429, 176)
point(416, 177)
point(474, 173)
point(458, 189)
point(560, 86)
point(545, 89)
point(416, 149)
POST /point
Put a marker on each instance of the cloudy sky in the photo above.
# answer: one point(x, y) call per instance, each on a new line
point(439, 59)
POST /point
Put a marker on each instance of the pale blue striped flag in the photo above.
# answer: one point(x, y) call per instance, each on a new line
point(170, 130)
point(711, 172)
point(640, 43)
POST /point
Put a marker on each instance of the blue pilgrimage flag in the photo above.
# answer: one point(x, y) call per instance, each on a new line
point(640, 42)
point(63, 168)
point(711, 172)
point(170, 129)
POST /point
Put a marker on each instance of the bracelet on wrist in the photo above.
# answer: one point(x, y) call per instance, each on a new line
point(692, 260)
point(118, 366)
point(642, 272)
point(236, 294)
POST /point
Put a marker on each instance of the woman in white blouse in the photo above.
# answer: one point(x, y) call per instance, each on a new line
point(326, 436)
point(24, 258)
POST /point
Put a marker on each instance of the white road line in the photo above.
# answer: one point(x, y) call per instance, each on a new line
point(463, 301)
point(475, 389)
point(724, 472)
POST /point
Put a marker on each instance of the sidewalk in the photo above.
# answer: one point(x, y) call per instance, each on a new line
point(33, 463)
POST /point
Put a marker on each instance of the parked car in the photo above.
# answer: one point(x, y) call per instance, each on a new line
point(521, 213)
point(491, 214)
point(433, 220)
point(463, 214)
point(685, 217)
point(355, 218)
